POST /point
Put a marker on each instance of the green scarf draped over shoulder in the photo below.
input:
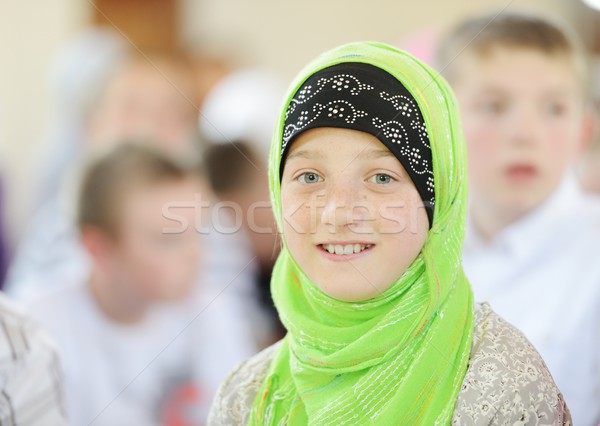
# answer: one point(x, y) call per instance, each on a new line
point(400, 357)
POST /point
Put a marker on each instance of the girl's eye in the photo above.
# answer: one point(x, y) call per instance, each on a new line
point(381, 179)
point(309, 177)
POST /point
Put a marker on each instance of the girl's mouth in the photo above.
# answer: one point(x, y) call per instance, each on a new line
point(345, 251)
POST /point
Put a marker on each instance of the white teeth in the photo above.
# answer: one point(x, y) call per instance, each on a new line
point(347, 249)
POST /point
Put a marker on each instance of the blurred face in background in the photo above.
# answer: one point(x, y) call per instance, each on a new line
point(152, 264)
point(523, 117)
point(253, 199)
point(147, 100)
point(239, 178)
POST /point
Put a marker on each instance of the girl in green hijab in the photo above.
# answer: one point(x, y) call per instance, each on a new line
point(368, 186)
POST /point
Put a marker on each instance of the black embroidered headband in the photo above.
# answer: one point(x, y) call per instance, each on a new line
point(363, 97)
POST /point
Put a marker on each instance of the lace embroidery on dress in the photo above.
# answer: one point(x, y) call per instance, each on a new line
point(507, 382)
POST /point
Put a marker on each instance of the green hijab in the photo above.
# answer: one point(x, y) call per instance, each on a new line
point(400, 357)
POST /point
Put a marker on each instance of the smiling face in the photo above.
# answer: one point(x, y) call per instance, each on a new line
point(352, 218)
point(523, 121)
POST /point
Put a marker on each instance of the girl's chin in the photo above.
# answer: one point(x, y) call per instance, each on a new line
point(345, 297)
point(352, 289)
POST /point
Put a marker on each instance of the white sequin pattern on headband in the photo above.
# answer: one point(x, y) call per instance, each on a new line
point(347, 101)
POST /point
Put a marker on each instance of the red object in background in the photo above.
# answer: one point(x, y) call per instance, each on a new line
point(180, 404)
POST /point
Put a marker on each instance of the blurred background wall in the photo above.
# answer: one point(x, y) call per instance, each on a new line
point(31, 32)
point(285, 34)
point(280, 35)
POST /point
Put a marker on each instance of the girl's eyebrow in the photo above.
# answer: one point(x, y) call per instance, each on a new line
point(304, 153)
point(378, 153)
point(311, 155)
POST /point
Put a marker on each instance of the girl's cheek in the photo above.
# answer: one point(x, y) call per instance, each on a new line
point(296, 214)
point(407, 215)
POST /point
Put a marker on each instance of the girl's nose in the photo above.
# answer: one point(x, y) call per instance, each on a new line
point(342, 207)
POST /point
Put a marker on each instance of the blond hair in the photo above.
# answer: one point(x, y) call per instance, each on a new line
point(113, 174)
point(481, 34)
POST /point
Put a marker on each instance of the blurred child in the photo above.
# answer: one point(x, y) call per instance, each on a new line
point(237, 118)
point(149, 97)
point(141, 343)
point(238, 176)
point(533, 236)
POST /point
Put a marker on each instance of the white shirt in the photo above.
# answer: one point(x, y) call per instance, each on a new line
point(48, 255)
point(542, 274)
point(142, 374)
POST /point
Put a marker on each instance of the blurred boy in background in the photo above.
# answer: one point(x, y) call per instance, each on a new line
point(237, 176)
point(237, 119)
point(533, 235)
point(151, 97)
point(141, 342)
point(142, 98)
